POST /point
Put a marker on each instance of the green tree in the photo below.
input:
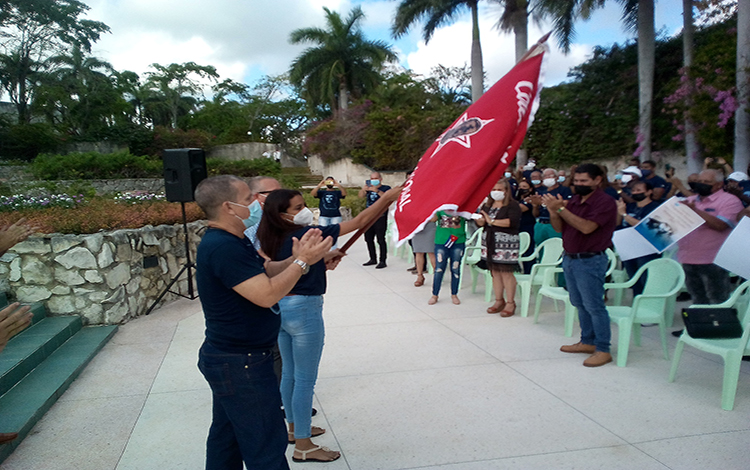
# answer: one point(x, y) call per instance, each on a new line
point(79, 93)
point(175, 91)
point(31, 32)
point(438, 13)
point(637, 15)
point(342, 66)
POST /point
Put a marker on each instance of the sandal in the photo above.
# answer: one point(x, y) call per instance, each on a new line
point(315, 432)
point(499, 305)
point(508, 313)
point(305, 458)
point(419, 282)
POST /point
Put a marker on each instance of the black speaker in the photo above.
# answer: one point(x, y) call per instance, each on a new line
point(183, 170)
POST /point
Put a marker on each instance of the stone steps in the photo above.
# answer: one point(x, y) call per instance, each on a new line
point(39, 364)
point(303, 176)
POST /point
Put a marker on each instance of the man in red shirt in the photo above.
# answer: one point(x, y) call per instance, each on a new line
point(586, 221)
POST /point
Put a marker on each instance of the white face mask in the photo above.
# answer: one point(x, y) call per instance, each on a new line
point(304, 217)
point(626, 178)
point(497, 195)
point(549, 182)
point(507, 174)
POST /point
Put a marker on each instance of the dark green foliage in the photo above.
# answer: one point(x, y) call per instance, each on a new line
point(595, 115)
point(25, 141)
point(244, 168)
point(94, 165)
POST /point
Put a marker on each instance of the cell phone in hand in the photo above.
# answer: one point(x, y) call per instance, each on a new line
point(367, 183)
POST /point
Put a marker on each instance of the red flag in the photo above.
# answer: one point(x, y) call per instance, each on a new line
point(459, 169)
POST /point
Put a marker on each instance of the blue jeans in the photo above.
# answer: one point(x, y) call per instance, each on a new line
point(442, 254)
point(585, 281)
point(301, 345)
point(247, 425)
point(326, 221)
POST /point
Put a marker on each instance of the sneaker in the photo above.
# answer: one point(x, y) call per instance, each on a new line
point(381, 265)
point(370, 263)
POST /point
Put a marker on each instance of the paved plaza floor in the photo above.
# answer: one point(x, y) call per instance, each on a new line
point(407, 385)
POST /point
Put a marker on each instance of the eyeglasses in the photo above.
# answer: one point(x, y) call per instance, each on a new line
point(265, 193)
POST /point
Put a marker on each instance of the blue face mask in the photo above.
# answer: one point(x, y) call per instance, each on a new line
point(645, 173)
point(256, 213)
point(374, 182)
point(536, 182)
point(560, 179)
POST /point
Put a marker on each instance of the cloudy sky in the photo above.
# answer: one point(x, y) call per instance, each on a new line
point(247, 39)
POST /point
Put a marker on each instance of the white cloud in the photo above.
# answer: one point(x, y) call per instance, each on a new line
point(451, 46)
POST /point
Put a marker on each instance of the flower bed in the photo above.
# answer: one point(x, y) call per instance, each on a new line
point(131, 210)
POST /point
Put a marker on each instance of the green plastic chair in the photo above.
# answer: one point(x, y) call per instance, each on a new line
point(551, 256)
point(472, 255)
point(551, 290)
point(665, 279)
point(731, 350)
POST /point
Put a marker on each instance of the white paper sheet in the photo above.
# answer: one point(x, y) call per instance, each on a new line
point(630, 244)
point(668, 223)
point(734, 255)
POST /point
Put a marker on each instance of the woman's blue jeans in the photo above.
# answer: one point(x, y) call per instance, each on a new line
point(585, 283)
point(442, 254)
point(301, 345)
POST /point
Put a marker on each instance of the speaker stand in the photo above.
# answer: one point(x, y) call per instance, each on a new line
point(189, 267)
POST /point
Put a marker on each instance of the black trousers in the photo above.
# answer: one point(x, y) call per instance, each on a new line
point(377, 230)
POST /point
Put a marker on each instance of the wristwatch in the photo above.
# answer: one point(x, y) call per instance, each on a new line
point(303, 265)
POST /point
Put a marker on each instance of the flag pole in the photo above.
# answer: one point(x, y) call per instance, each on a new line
point(532, 49)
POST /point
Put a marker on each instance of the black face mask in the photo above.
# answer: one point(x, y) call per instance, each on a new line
point(583, 190)
point(638, 197)
point(701, 189)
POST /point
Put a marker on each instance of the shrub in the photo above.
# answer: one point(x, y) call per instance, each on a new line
point(26, 141)
point(244, 168)
point(94, 165)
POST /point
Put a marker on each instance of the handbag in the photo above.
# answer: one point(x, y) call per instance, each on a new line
point(713, 323)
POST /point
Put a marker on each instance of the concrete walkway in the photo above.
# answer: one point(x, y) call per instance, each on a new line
point(406, 385)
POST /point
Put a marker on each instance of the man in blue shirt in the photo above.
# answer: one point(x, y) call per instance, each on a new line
point(648, 172)
point(330, 193)
point(238, 292)
point(373, 189)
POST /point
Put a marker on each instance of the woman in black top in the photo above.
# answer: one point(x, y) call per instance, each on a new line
point(500, 242)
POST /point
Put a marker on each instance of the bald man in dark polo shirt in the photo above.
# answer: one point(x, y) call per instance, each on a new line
point(239, 291)
point(586, 222)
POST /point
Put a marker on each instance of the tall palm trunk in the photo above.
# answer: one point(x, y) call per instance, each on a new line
point(477, 67)
point(343, 97)
point(742, 116)
point(646, 54)
point(521, 33)
point(521, 29)
point(692, 151)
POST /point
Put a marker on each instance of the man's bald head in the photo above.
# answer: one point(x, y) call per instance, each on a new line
point(212, 192)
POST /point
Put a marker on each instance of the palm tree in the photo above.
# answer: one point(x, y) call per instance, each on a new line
point(343, 65)
point(637, 15)
point(175, 89)
point(692, 151)
point(742, 116)
point(437, 13)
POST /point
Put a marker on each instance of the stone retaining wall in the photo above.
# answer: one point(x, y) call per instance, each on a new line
point(104, 276)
